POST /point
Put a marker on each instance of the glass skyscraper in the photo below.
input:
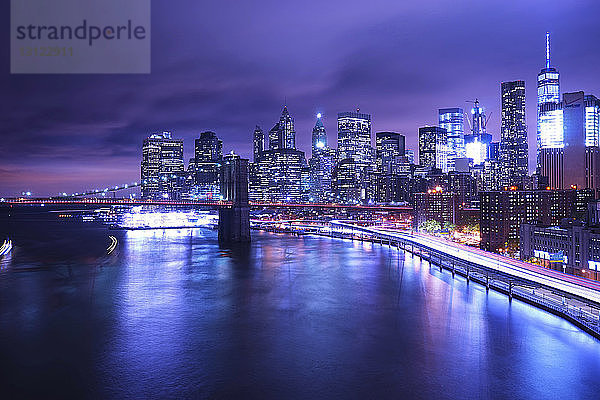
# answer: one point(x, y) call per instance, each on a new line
point(513, 142)
point(549, 119)
point(162, 168)
point(452, 120)
point(354, 137)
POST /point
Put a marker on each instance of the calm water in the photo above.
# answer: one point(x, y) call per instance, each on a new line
point(171, 315)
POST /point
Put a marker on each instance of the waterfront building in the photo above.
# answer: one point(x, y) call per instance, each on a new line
point(513, 142)
point(503, 212)
point(435, 205)
point(163, 173)
point(571, 247)
point(452, 120)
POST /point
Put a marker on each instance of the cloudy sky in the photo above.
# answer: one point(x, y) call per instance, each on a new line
point(228, 65)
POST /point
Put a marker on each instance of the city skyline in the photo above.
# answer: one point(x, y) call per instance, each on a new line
point(58, 131)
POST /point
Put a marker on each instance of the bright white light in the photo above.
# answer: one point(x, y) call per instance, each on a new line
point(320, 144)
point(173, 219)
point(165, 195)
point(28, 193)
point(319, 115)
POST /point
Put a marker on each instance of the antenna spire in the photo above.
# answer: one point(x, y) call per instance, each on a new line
point(547, 49)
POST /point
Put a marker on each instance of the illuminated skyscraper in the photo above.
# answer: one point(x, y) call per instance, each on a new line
point(513, 142)
point(276, 175)
point(433, 147)
point(354, 137)
point(258, 142)
point(452, 120)
point(162, 168)
point(549, 136)
point(208, 156)
point(321, 164)
point(389, 147)
point(283, 134)
point(354, 148)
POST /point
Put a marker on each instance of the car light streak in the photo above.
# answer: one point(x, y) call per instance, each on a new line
point(113, 244)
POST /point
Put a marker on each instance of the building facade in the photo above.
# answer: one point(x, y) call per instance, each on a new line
point(433, 147)
point(452, 120)
point(513, 142)
point(163, 173)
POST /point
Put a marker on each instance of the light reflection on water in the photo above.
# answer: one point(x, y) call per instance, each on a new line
point(173, 314)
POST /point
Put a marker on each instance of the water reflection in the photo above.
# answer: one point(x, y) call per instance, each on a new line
point(173, 314)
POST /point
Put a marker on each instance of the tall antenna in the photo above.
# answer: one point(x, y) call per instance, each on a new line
point(547, 49)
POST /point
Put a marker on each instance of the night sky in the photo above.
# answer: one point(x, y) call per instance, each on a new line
point(229, 65)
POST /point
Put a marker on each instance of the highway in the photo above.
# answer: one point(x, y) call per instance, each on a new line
point(582, 287)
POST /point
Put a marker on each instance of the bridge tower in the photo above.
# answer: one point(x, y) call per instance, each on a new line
point(234, 222)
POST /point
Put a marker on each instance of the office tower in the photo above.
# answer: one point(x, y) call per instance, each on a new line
point(491, 172)
point(354, 136)
point(549, 119)
point(452, 120)
point(433, 147)
point(354, 145)
point(319, 137)
point(320, 164)
point(392, 166)
point(389, 147)
point(283, 134)
point(346, 175)
point(513, 135)
point(410, 156)
point(276, 175)
point(258, 142)
point(208, 156)
point(162, 167)
point(477, 142)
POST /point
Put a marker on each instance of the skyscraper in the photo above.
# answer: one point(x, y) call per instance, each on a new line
point(573, 161)
point(549, 138)
point(258, 142)
point(320, 164)
point(389, 147)
point(452, 120)
point(433, 147)
point(208, 156)
point(354, 136)
point(548, 92)
point(319, 137)
point(513, 136)
point(276, 174)
point(354, 147)
point(162, 167)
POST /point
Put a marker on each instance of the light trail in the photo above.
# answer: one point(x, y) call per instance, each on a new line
point(581, 287)
point(112, 245)
point(6, 247)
